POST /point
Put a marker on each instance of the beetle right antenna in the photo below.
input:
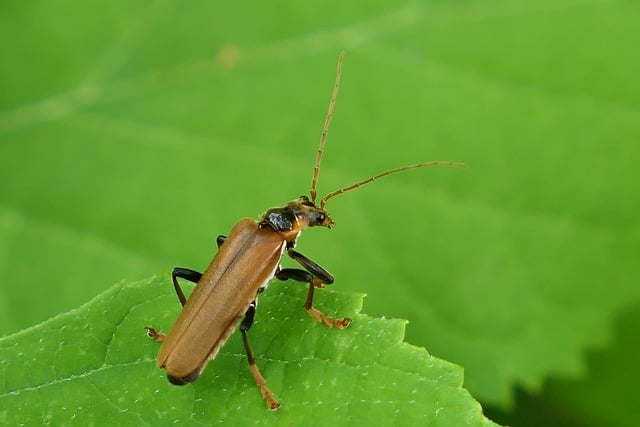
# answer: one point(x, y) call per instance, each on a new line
point(385, 173)
point(325, 130)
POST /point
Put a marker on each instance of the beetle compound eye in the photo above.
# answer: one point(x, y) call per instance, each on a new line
point(323, 219)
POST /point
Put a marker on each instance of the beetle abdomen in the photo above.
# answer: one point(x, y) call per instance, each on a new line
point(184, 380)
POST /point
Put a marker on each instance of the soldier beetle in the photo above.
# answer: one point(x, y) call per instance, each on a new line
point(247, 260)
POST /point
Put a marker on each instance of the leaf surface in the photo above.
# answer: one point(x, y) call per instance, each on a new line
point(95, 366)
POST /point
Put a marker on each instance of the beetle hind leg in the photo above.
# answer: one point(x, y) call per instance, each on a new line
point(267, 394)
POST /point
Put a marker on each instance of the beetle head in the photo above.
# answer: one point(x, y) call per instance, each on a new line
point(295, 216)
point(308, 212)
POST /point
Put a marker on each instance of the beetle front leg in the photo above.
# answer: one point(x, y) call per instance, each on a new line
point(316, 277)
point(267, 395)
point(321, 276)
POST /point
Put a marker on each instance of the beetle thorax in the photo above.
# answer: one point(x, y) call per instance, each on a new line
point(290, 219)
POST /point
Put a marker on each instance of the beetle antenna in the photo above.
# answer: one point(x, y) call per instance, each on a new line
point(325, 130)
point(389, 172)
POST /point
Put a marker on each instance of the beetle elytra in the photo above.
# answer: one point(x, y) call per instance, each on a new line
point(248, 258)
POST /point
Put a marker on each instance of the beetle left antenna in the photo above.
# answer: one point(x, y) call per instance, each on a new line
point(325, 130)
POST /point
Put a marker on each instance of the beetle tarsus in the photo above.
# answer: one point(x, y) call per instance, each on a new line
point(155, 335)
point(331, 322)
point(314, 281)
point(267, 394)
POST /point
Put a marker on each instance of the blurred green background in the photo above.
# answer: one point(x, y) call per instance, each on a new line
point(132, 134)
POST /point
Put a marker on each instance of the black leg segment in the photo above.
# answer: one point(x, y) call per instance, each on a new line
point(268, 396)
point(315, 277)
point(190, 275)
point(249, 316)
point(184, 273)
point(294, 274)
point(323, 275)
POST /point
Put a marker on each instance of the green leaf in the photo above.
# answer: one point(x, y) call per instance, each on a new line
point(132, 134)
point(94, 366)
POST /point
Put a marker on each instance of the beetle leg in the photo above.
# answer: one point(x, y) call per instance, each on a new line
point(190, 275)
point(155, 335)
point(184, 273)
point(323, 277)
point(267, 395)
point(314, 281)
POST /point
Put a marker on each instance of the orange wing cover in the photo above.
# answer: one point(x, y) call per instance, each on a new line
point(246, 261)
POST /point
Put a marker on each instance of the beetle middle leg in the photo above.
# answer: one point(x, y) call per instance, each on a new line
point(267, 395)
point(317, 277)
